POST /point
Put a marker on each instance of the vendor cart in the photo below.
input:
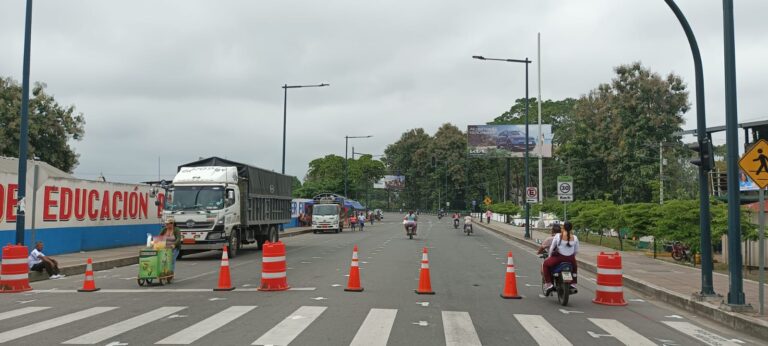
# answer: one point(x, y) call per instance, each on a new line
point(155, 264)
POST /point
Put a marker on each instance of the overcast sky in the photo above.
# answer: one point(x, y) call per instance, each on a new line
point(171, 81)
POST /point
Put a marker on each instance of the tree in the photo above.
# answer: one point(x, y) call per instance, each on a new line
point(606, 141)
point(51, 126)
point(326, 174)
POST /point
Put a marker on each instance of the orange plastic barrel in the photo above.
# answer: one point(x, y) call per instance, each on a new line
point(610, 290)
point(273, 267)
point(14, 270)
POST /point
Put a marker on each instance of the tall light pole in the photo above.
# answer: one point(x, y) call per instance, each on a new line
point(285, 108)
point(346, 163)
point(707, 287)
point(527, 149)
point(24, 131)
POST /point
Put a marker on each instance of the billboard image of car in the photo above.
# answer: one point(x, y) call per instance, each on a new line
point(391, 182)
point(508, 140)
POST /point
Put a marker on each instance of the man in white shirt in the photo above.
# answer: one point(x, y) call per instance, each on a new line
point(39, 261)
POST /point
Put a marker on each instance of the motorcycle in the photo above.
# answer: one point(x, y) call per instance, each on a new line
point(562, 277)
point(439, 216)
point(410, 229)
point(681, 252)
point(456, 223)
point(467, 228)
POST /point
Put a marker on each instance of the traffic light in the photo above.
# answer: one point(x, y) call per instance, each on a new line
point(706, 158)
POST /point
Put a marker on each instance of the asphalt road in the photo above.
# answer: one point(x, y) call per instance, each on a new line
point(466, 272)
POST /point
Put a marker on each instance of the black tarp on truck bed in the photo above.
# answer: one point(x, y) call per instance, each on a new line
point(261, 182)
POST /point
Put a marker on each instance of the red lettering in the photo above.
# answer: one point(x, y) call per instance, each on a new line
point(105, 207)
point(93, 210)
point(10, 203)
point(143, 203)
point(116, 213)
point(49, 202)
point(2, 202)
point(80, 204)
point(65, 204)
point(126, 197)
point(160, 206)
point(133, 205)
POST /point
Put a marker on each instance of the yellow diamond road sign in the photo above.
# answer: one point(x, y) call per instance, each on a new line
point(755, 163)
point(487, 200)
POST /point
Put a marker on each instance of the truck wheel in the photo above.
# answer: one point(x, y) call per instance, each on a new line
point(273, 235)
point(234, 243)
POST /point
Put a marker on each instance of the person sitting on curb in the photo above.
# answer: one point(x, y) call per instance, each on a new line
point(39, 261)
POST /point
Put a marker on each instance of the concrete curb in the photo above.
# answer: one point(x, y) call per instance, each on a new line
point(123, 261)
point(755, 327)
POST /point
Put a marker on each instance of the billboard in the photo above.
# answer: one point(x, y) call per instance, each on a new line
point(508, 140)
point(391, 182)
point(746, 183)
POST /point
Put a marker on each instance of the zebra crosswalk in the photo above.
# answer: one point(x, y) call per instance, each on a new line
point(376, 329)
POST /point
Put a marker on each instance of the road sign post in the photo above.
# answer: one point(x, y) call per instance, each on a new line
point(565, 192)
point(532, 194)
point(754, 163)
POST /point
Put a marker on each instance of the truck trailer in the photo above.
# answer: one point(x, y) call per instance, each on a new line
point(215, 201)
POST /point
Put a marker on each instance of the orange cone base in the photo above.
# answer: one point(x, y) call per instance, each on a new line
point(510, 297)
point(424, 292)
point(224, 289)
point(354, 289)
point(611, 302)
point(88, 290)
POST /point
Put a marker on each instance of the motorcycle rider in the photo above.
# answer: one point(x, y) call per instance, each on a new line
point(564, 247)
point(548, 241)
point(488, 215)
point(468, 222)
point(410, 220)
point(456, 219)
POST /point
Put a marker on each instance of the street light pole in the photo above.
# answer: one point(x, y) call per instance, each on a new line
point(346, 163)
point(23, 132)
point(707, 286)
point(527, 147)
point(285, 109)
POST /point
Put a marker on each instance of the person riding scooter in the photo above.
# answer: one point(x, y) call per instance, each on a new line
point(410, 220)
point(468, 223)
point(455, 220)
point(564, 247)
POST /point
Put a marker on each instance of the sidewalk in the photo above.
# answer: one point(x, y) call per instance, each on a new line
point(671, 283)
point(74, 263)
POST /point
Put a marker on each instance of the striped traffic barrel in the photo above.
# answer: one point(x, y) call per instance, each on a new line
point(14, 270)
point(273, 276)
point(610, 290)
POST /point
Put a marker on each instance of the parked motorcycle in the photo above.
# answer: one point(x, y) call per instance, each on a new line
point(681, 252)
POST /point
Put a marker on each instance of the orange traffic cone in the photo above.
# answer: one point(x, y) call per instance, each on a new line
point(510, 281)
point(89, 285)
point(225, 284)
point(354, 274)
point(425, 286)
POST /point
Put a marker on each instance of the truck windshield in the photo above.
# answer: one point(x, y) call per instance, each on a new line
point(325, 209)
point(195, 198)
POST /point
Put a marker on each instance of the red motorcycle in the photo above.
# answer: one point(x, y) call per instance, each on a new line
point(681, 252)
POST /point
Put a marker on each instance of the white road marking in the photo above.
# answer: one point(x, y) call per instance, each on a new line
point(376, 328)
point(319, 298)
point(124, 326)
point(621, 332)
point(674, 316)
point(20, 312)
point(202, 328)
point(541, 330)
point(700, 334)
point(570, 311)
point(215, 299)
point(52, 323)
point(287, 330)
point(26, 301)
point(458, 329)
point(117, 343)
point(424, 304)
point(421, 323)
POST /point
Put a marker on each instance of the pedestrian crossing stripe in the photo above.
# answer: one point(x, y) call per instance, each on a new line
point(458, 327)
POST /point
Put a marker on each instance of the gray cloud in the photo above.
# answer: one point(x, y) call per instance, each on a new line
point(176, 80)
